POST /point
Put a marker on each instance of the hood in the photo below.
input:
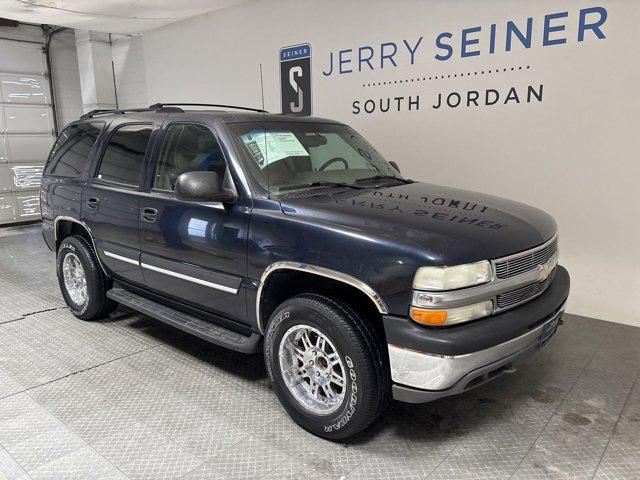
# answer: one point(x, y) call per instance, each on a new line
point(445, 225)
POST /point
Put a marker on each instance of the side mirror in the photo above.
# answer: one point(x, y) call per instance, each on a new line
point(202, 187)
point(394, 165)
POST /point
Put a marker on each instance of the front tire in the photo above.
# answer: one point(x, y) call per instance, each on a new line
point(82, 282)
point(327, 366)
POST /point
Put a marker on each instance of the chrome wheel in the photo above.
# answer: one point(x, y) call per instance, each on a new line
point(75, 281)
point(312, 369)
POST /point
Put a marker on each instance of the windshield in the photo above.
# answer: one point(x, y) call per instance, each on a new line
point(285, 156)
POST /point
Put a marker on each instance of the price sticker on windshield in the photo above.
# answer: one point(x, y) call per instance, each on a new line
point(269, 147)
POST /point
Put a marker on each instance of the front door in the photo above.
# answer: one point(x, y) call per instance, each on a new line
point(193, 252)
point(111, 201)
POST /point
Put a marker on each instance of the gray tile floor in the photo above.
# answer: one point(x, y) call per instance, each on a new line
point(131, 398)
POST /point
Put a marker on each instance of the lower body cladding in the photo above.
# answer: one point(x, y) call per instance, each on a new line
point(428, 363)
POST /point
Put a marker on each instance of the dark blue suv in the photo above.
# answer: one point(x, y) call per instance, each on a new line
point(295, 236)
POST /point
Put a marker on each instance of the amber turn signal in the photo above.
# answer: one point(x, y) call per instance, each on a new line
point(428, 317)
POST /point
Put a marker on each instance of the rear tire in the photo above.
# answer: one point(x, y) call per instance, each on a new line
point(313, 341)
point(82, 282)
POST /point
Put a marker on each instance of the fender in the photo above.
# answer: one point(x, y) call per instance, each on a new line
point(323, 272)
point(81, 223)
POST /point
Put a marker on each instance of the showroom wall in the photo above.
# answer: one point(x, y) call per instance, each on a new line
point(547, 116)
point(129, 71)
point(64, 62)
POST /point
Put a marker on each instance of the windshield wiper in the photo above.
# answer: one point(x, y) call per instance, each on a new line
point(383, 177)
point(319, 183)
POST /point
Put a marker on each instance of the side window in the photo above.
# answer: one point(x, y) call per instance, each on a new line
point(186, 148)
point(123, 157)
point(70, 154)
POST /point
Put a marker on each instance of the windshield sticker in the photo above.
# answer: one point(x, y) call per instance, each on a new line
point(269, 147)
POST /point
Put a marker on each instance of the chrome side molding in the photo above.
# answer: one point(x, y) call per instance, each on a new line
point(164, 271)
point(322, 272)
point(189, 278)
point(132, 261)
point(121, 258)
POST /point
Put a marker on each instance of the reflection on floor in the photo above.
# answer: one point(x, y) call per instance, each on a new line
point(128, 397)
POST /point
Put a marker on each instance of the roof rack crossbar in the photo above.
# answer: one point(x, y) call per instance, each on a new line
point(156, 106)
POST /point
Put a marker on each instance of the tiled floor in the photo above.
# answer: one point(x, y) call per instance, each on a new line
point(130, 398)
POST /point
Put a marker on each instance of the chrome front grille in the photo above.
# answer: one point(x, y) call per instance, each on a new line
point(517, 279)
point(523, 294)
point(520, 263)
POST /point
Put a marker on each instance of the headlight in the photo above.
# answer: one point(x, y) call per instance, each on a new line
point(450, 278)
point(451, 316)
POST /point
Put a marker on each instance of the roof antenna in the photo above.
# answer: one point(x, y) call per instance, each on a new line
point(266, 152)
point(262, 87)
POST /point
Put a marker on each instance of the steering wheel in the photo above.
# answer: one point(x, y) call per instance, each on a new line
point(332, 161)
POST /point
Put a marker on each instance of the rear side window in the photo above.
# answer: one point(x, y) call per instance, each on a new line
point(70, 154)
point(187, 147)
point(124, 155)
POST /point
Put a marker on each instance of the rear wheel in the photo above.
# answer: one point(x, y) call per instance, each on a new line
point(82, 283)
point(326, 365)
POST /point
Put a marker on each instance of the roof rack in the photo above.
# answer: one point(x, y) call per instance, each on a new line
point(164, 107)
point(156, 106)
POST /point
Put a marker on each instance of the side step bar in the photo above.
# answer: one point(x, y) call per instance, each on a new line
point(188, 323)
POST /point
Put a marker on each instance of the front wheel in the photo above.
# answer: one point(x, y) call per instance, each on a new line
point(327, 366)
point(82, 283)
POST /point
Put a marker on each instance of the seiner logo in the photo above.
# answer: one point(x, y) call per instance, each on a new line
point(295, 79)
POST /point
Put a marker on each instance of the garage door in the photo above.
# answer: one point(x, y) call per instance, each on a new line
point(26, 129)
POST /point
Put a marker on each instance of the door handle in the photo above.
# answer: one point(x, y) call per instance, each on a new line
point(93, 203)
point(149, 215)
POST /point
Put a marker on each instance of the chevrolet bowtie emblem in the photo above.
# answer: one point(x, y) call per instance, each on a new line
point(544, 271)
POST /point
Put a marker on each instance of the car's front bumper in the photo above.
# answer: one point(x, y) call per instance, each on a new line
point(431, 363)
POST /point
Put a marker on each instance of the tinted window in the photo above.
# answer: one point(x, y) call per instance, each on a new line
point(187, 148)
point(70, 154)
point(124, 155)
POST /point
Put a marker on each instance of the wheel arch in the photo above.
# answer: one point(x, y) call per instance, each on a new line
point(64, 226)
point(296, 276)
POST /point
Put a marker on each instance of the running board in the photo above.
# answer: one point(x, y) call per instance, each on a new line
point(188, 323)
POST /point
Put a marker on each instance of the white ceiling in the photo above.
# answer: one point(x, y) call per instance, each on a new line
point(112, 16)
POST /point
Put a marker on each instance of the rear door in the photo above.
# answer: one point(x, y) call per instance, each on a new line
point(194, 252)
point(111, 200)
